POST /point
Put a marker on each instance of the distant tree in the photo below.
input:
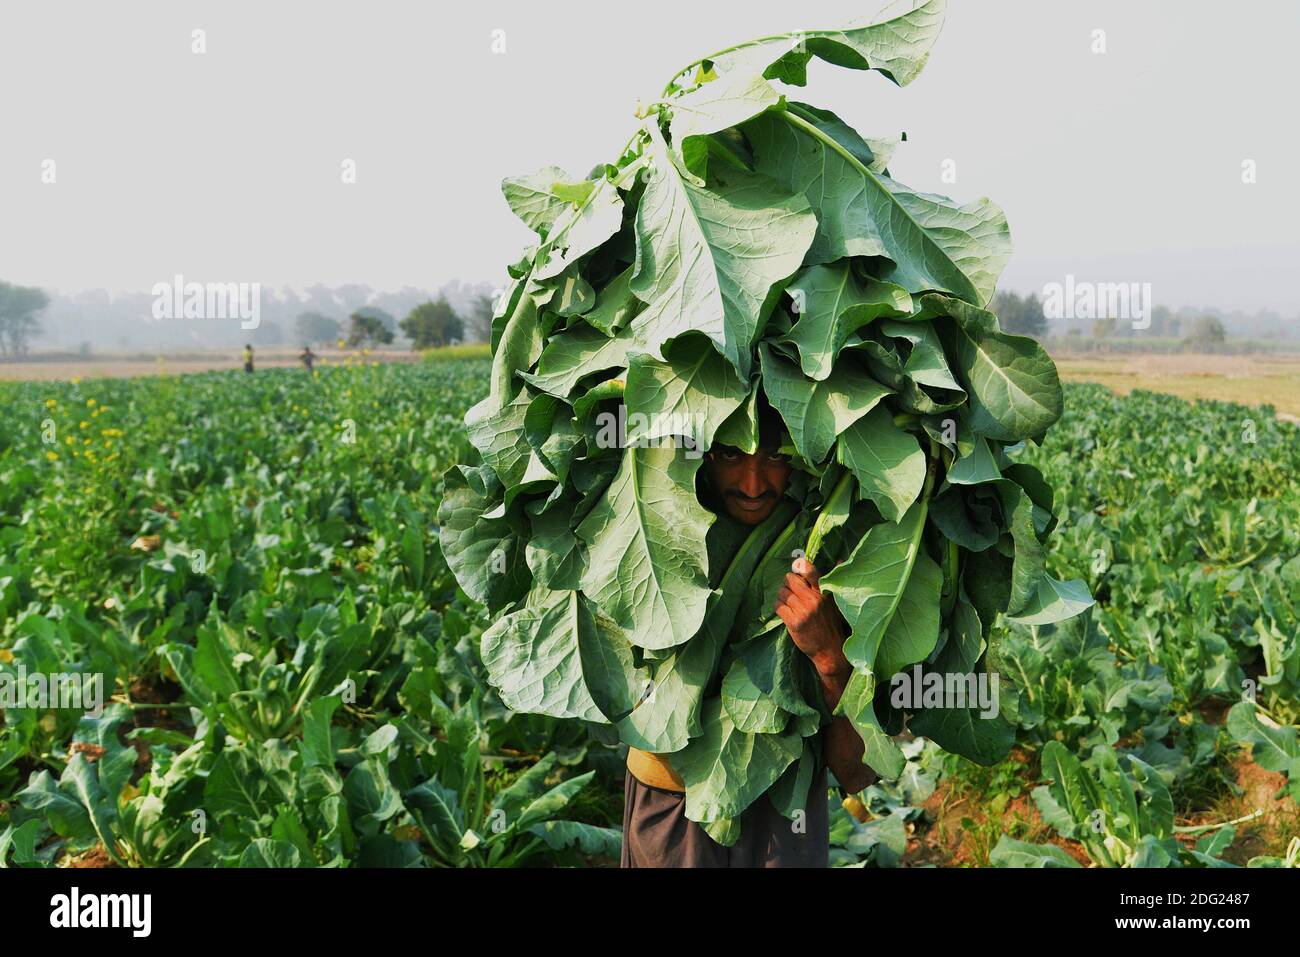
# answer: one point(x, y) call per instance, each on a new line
point(314, 327)
point(367, 329)
point(1006, 306)
point(1021, 315)
point(433, 324)
point(479, 325)
point(1205, 331)
point(18, 323)
point(1104, 328)
point(1162, 321)
point(373, 312)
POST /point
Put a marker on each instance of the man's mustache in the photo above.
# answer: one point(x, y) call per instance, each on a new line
point(749, 498)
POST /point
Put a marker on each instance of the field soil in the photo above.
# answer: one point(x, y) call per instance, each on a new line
point(1248, 379)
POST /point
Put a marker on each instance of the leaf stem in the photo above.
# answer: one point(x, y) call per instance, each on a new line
point(821, 525)
point(829, 142)
point(731, 49)
point(1198, 828)
point(756, 536)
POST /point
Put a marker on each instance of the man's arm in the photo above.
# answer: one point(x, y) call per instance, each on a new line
point(814, 626)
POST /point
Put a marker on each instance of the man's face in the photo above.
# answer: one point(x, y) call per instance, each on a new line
point(749, 485)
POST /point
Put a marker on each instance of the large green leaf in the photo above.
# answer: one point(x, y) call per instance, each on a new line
point(65, 814)
point(897, 46)
point(974, 466)
point(317, 747)
point(965, 731)
point(609, 667)
point(1273, 748)
point(553, 801)
point(20, 841)
point(725, 770)
point(235, 786)
point(615, 304)
point(869, 586)
point(501, 437)
point(1010, 852)
point(588, 838)
point(1075, 795)
point(517, 349)
point(969, 517)
point(913, 629)
point(1031, 554)
point(831, 302)
point(760, 691)
point(531, 197)
point(817, 412)
point(533, 660)
point(708, 259)
point(580, 228)
point(857, 703)
point(526, 788)
point(1054, 601)
point(670, 715)
point(862, 149)
point(371, 797)
point(577, 353)
point(726, 101)
point(1014, 389)
point(267, 853)
point(932, 244)
point(887, 462)
point(646, 548)
point(688, 396)
point(926, 364)
point(487, 555)
point(555, 556)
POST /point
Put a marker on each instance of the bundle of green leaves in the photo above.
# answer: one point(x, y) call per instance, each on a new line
point(743, 243)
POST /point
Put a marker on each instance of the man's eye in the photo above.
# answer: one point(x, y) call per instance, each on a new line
point(778, 457)
point(729, 455)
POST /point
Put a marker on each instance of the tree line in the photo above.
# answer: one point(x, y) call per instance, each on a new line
point(1023, 315)
point(19, 306)
point(432, 323)
point(429, 325)
point(436, 322)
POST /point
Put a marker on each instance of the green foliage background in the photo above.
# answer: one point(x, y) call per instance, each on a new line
point(322, 564)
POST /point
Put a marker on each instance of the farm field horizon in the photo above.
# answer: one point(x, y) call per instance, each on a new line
point(253, 565)
point(1261, 378)
point(1250, 379)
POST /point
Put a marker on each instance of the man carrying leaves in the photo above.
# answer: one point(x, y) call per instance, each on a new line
point(744, 489)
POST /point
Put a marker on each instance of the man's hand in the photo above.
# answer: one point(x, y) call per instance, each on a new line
point(815, 627)
point(812, 619)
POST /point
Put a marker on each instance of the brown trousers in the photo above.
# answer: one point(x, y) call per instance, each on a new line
point(656, 833)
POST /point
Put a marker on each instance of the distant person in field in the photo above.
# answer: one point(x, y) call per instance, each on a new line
point(248, 357)
point(744, 489)
point(307, 357)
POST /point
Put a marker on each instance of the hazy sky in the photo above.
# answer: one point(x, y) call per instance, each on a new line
point(226, 166)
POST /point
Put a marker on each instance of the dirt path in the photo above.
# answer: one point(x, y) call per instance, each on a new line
point(127, 366)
